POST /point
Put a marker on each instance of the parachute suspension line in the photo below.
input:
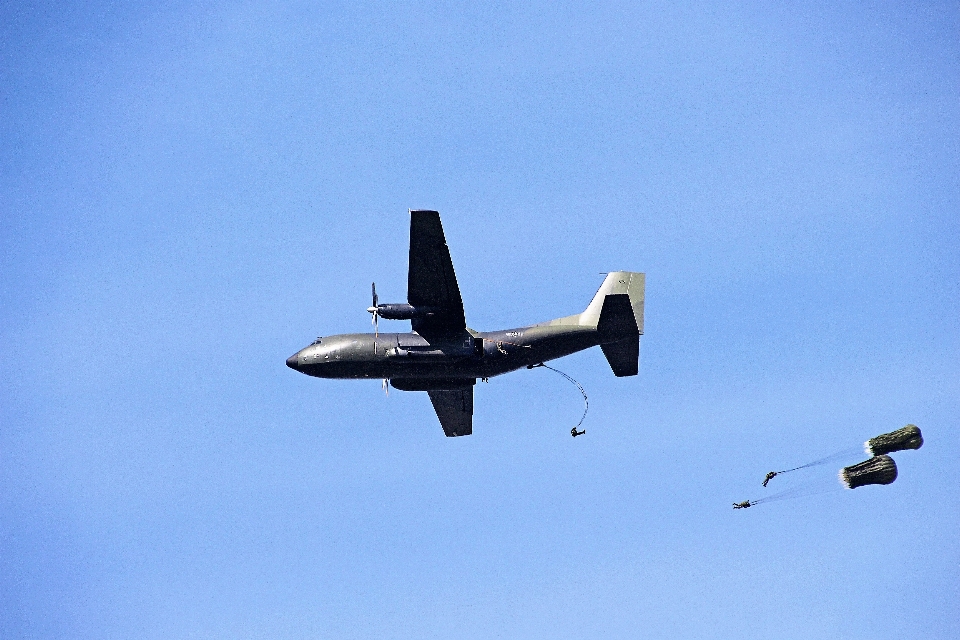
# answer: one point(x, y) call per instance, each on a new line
point(846, 453)
point(812, 488)
point(586, 403)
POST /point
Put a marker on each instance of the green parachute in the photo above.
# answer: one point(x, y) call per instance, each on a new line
point(907, 438)
point(879, 469)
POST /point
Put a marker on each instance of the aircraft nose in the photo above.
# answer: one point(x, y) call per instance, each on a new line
point(292, 362)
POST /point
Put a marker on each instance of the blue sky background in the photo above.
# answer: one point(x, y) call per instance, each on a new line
point(191, 192)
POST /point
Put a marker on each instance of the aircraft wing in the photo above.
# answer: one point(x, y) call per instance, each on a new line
point(454, 407)
point(431, 281)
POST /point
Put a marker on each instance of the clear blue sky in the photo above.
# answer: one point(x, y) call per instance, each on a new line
point(191, 192)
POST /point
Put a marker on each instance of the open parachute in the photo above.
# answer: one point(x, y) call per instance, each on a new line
point(881, 469)
point(877, 470)
point(907, 438)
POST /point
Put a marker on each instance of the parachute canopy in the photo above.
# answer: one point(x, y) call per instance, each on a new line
point(907, 438)
point(877, 470)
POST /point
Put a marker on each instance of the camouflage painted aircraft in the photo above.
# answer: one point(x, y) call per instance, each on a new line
point(444, 357)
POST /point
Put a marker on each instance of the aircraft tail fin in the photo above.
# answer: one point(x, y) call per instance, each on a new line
point(617, 313)
point(627, 284)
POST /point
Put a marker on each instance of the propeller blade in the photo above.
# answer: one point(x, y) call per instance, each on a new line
point(375, 320)
point(373, 308)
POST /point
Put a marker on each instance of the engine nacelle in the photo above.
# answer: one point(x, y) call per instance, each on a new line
point(402, 311)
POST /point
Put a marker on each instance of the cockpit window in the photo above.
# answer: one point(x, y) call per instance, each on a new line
point(317, 341)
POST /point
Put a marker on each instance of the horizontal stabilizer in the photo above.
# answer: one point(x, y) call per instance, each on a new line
point(619, 334)
point(617, 321)
point(623, 356)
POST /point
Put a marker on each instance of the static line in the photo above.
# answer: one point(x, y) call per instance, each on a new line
point(586, 403)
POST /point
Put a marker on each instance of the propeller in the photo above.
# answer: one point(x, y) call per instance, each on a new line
point(375, 310)
point(386, 387)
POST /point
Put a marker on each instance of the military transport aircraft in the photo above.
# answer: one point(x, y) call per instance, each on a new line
point(444, 357)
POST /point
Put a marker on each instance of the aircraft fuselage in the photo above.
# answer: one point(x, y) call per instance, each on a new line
point(465, 356)
point(444, 357)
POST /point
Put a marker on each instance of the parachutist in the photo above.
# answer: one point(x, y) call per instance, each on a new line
point(576, 433)
point(742, 505)
point(769, 477)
